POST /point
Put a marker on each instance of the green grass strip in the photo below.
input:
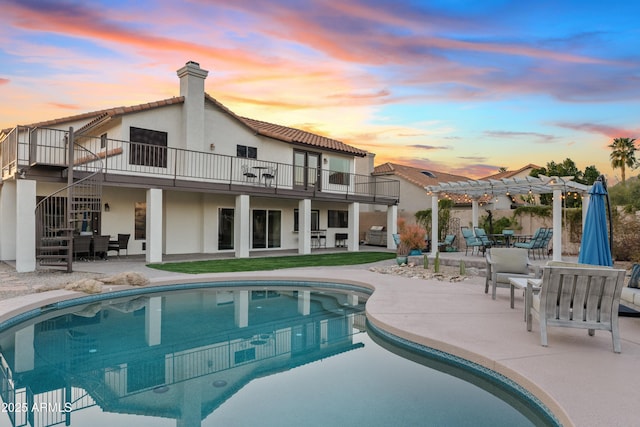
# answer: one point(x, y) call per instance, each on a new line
point(273, 263)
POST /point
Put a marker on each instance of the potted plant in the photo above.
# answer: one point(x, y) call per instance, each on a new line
point(412, 236)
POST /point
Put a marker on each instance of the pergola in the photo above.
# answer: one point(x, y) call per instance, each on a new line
point(476, 189)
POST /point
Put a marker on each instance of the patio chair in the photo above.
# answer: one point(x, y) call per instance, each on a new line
point(447, 243)
point(504, 263)
point(248, 174)
point(534, 243)
point(484, 238)
point(100, 246)
point(544, 243)
point(471, 241)
point(585, 297)
point(120, 244)
point(81, 247)
point(269, 175)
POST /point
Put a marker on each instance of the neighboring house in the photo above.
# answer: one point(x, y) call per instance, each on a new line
point(413, 196)
point(181, 175)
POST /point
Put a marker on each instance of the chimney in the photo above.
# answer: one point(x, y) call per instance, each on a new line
point(192, 89)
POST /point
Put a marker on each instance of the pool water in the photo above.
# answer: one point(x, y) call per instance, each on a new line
point(236, 356)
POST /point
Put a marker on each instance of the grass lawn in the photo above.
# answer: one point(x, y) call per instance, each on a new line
point(273, 263)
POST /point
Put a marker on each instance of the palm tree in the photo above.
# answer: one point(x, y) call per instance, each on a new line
point(623, 154)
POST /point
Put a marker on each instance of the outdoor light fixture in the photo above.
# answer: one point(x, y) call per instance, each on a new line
point(107, 208)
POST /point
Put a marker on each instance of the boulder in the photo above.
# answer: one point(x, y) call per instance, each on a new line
point(88, 286)
point(127, 279)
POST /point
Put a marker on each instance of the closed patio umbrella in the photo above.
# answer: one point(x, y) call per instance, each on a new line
point(594, 248)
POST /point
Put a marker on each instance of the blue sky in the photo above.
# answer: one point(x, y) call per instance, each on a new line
point(464, 87)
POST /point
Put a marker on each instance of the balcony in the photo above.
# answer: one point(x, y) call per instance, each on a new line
point(133, 163)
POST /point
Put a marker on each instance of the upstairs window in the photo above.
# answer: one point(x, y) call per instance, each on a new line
point(148, 147)
point(246, 152)
point(339, 171)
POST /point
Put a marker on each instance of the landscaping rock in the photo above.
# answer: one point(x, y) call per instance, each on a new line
point(127, 279)
point(88, 286)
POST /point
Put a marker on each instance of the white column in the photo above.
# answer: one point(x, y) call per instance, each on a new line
point(353, 241)
point(24, 349)
point(8, 220)
point(153, 321)
point(392, 225)
point(241, 308)
point(242, 226)
point(154, 225)
point(557, 224)
point(434, 224)
point(474, 213)
point(25, 225)
point(304, 226)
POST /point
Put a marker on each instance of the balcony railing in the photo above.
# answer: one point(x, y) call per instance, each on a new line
point(42, 146)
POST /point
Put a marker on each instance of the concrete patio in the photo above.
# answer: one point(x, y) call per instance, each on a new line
point(579, 377)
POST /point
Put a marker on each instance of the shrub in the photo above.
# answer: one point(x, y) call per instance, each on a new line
point(626, 245)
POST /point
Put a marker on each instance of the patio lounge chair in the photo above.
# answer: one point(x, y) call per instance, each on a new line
point(81, 247)
point(100, 246)
point(584, 297)
point(503, 263)
point(471, 241)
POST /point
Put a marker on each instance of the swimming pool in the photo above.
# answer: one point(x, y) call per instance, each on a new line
point(239, 354)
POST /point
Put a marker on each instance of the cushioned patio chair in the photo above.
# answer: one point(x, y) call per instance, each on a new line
point(121, 244)
point(534, 243)
point(447, 243)
point(503, 263)
point(471, 241)
point(585, 297)
point(484, 238)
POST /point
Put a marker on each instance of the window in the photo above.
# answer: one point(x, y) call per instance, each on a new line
point(225, 228)
point(338, 219)
point(140, 220)
point(246, 152)
point(103, 140)
point(339, 171)
point(148, 147)
point(315, 220)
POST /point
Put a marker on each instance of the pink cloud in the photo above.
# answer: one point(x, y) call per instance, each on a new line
point(4, 81)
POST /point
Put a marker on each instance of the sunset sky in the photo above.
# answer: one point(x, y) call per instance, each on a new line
point(464, 87)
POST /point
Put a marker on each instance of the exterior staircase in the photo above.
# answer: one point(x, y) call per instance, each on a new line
point(74, 208)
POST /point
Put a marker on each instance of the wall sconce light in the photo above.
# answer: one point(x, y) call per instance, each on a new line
point(325, 160)
point(22, 173)
point(212, 147)
point(107, 208)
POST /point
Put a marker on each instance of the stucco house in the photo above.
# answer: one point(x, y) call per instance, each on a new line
point(180, 175)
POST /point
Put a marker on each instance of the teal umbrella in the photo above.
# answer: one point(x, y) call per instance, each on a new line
point(594, 248)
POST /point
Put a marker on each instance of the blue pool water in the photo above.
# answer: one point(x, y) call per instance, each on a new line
point(238, 356)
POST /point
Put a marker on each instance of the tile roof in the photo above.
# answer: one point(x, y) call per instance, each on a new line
point(282, 133)
point(511, 174)
point(418, 177)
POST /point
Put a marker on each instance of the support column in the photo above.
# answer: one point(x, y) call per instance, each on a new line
point(474, 213)
point(242, 226)
point(154, 225)
point(25, 225)
point(434, 224)
point(557, 224)
point(392, 226)
point(304, 227)
point(8, 221)
point(353, 241)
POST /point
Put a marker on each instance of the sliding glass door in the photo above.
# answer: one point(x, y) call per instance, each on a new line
point(306, 170)
point(267, 229)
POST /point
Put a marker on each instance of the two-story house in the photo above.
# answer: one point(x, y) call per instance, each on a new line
point(181, 175)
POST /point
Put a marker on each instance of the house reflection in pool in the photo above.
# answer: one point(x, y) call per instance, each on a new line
point(175, 355)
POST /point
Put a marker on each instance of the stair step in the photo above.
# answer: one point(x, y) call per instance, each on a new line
point(51, 256)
